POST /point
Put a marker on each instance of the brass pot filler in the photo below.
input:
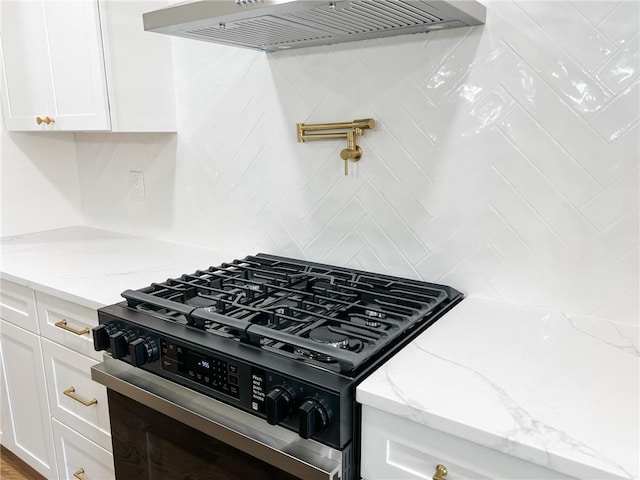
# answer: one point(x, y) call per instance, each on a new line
point(352, 129)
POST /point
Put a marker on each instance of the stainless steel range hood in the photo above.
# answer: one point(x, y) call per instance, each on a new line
point(272, 25)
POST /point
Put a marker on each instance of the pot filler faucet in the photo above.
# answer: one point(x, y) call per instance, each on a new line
point(330, 131)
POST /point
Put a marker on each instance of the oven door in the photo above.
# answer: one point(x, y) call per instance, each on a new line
point(163, 430)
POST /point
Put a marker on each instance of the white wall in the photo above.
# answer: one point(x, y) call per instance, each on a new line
point(505, 160)
point(39, 186)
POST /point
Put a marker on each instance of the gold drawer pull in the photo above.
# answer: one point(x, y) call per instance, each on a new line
point(79, 474)
point(69, 392)
point(63, 325)
point(46, 120)
point(441, 472)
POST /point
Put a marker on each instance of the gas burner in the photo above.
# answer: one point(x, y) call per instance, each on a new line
point(324, 336)
point(373, 311)
point(371, 322)
point(328, 337)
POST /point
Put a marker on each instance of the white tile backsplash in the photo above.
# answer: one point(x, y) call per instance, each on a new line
point(622, 23)
point(504, 161)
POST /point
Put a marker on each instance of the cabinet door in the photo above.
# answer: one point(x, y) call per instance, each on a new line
point(54, 67)
point(26, 80)
point(78, 457)
point(6, 427)
point(27, 398)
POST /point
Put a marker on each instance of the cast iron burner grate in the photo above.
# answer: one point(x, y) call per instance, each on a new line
point(335, 318)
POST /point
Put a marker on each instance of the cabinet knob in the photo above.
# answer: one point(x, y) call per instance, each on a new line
point(47, 120)
point(441, 472)
point(79, 474)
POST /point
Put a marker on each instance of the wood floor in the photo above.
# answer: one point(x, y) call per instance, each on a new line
point(12, 468)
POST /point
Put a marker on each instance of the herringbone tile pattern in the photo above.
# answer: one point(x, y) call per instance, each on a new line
point(504, 162)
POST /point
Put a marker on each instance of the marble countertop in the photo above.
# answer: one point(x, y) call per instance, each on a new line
point(554, 389)
point(92, 267)
point(557, 390)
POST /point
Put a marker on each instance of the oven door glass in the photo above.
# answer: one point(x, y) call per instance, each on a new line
point(148, 444)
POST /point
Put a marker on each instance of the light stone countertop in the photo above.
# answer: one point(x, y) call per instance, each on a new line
point(92, 267)
point(557, 390)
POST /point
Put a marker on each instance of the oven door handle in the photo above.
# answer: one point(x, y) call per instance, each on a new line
point(252, 435)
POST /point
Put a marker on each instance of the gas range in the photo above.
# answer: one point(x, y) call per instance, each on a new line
point(284, 340)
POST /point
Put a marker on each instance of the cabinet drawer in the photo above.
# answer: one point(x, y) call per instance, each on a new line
point(80, 456)
point(393, 447)
point(67, 323)
point(18, 306)
point(84, 405)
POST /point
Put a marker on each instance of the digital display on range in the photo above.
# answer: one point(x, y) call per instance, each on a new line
point(209, 371)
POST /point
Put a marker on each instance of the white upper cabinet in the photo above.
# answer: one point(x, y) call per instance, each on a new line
point(84, 65)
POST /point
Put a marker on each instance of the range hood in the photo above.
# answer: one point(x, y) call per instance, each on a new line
point(272, 25)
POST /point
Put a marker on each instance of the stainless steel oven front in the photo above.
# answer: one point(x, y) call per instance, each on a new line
point(250, 439)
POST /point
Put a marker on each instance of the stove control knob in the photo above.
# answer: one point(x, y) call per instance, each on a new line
point(101, 334)
point(143, 350)
point(279, 404)
point(314, 415)
point(119, 343)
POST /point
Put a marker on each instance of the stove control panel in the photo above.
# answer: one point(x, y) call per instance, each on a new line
point(280, 400)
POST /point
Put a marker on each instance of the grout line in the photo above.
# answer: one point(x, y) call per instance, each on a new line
point(553, 92)
point(541, 27)
point(457, 265)
point(618, 47)
point(411, 119)
point(617, 97)
point(522, 241)
point(555, 140)
point(397, 215)
point(576, 208)
point(610, 187)
point(384, 234)
point(343, 237)
point(449, 54)
point(528, 204)
point(401, 145)
point(344, 206)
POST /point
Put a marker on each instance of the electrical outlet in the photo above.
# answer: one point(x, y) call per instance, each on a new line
point(136, 185)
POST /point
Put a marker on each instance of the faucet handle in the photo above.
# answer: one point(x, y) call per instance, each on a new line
point(350, 154)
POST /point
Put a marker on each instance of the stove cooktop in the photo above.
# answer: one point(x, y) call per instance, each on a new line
point(335, 318)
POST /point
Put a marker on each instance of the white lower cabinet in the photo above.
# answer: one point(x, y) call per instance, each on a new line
point(78, 457)
point(396, 448)
point(53, 416)
point(29, 433)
